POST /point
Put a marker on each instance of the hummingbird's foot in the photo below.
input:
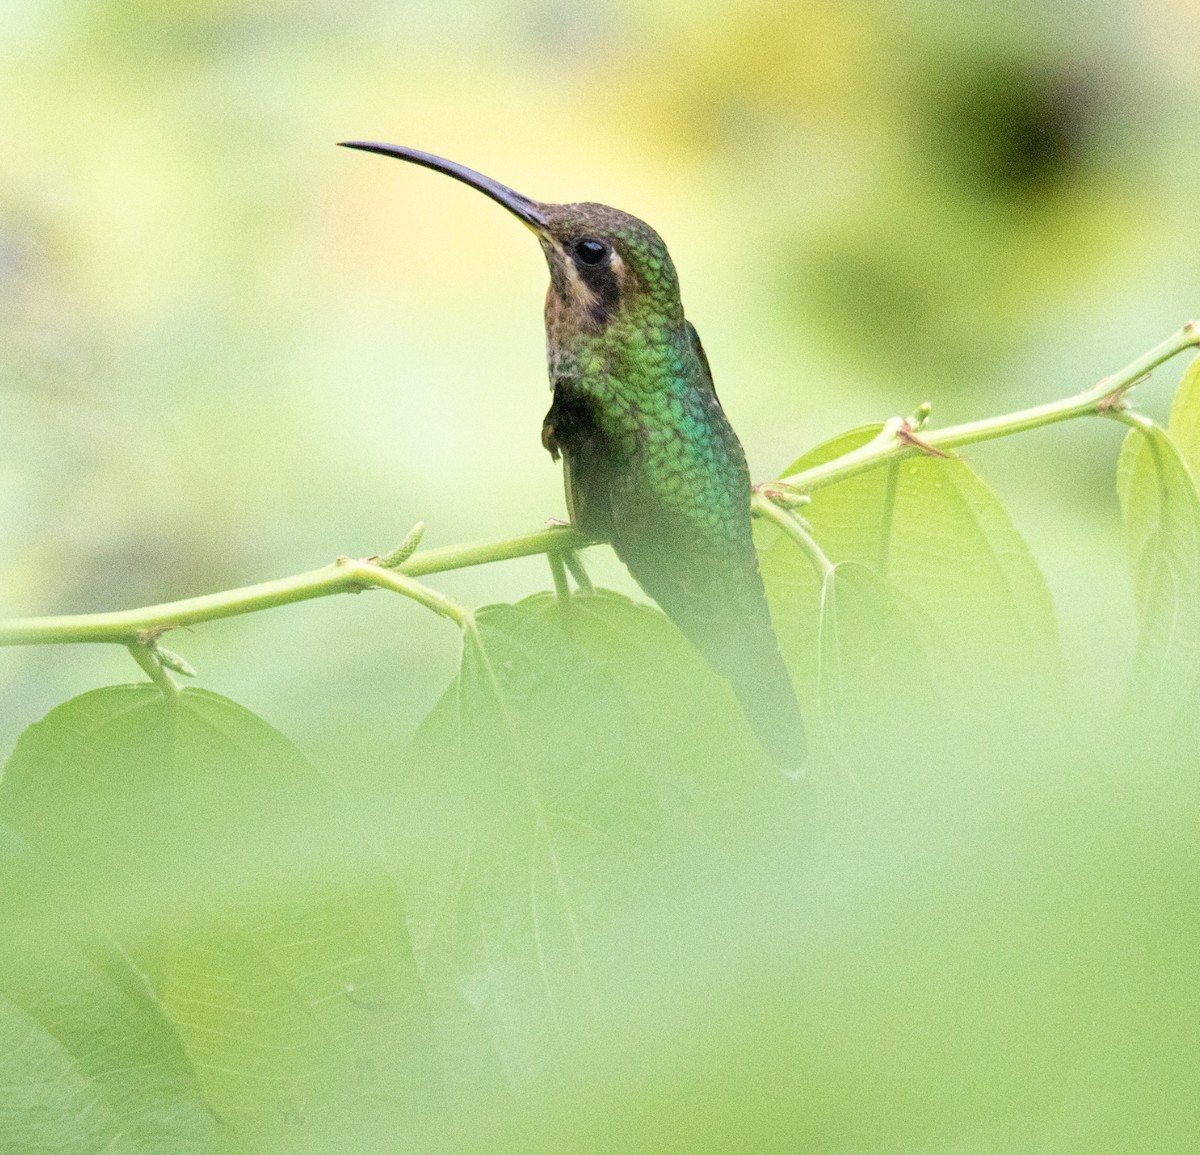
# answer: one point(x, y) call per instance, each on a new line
point(567, 561)
point(578, 572)
point(782, 493)
point(556, 522)
point(788, 498)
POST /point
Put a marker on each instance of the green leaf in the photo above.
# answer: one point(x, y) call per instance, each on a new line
point(582, 736)
point(686, 720)
point(1161, 514)
point(276, 942)
point(877, 692)
point(543, 804)
point(569, 806)
point(429, 829)
point(1184, 423)
point(88, 1061)
point(943, 540)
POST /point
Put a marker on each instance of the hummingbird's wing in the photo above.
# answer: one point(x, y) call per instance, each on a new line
point(701, 356)
point(570, 430)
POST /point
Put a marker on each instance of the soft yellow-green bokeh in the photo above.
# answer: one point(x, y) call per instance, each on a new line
point(229, 350)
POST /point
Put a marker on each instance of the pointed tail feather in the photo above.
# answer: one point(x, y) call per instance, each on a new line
point(722, 609)
point(770, 706)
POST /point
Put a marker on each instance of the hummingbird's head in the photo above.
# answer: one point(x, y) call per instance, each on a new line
point(605, 265)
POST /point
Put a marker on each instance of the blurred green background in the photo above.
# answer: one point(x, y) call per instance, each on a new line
point(230, 351)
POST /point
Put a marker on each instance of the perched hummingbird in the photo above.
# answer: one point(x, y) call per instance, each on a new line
point(650, 460)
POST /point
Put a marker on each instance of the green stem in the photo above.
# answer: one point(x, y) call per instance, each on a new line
point(366, 574)
point(890, 443)
point(555, 539)
point(766, 508)
point(1138, 421)
point(125, 627)
point(558, 571)
point(578, 572)
point(144, 656)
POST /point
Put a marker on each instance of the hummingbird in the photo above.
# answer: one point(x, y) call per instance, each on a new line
point(651, 464)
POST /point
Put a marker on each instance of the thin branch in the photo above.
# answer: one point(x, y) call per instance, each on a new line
point(895, 441)
point(365, 574)
point(787, 521)
point(128, 627)
point(891, 443)
point(1138, 421)
point(556, 539)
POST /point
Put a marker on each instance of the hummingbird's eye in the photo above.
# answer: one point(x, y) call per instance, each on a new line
point(591, 251)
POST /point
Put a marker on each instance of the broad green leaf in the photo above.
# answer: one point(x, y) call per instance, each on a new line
point(546, 808)
point(1161, 514)
point(1184, 424)
point(685, 718)
point(600, 695)
point(430, 833)
point(570, 807)
point(943, 540)
point(876, 688)
point(89, 1062)
point(276, 942)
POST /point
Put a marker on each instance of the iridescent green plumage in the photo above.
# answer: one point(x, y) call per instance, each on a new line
point(652, 464)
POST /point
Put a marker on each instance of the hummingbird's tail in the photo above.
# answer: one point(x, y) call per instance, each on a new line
point(769, 703)
point(722, 609)
point(734, 632)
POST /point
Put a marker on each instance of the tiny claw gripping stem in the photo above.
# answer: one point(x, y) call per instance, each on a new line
point(578, 571)
point(149, 637)
point(782, 493)
point(787, 498)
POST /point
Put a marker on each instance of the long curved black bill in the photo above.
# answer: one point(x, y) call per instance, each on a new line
point(520, 206)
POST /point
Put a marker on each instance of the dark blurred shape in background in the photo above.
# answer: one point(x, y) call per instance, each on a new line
point(1010, 130)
